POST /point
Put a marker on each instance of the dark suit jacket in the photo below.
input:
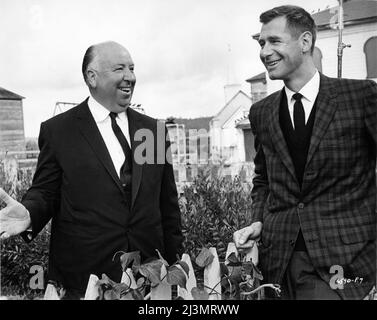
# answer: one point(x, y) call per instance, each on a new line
point(336, 207)
point(76, 185)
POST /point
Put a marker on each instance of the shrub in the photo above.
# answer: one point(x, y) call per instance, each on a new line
point(17, 257)
point(212, 209)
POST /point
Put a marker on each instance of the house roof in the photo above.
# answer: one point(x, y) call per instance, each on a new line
point(258, 77)
point(229, 102)
point(354, 12)
point(8, 95)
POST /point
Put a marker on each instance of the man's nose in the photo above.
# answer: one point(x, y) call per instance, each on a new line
point(129, 75)
point(265, 52)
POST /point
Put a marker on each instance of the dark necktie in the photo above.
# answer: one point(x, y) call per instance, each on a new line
point(298, 115)
point(126, 169)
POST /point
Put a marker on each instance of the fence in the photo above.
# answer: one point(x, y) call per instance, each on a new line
point(212, 280)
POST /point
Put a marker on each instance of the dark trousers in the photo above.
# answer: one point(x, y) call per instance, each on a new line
point(302, 282)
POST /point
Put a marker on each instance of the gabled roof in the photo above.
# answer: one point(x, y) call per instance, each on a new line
point(230, 101)
point(354, 12)
point(261, 76)
point(8, 95)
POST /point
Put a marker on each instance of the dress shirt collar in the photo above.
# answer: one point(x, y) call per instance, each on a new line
point(309, 91)
point(100, 113)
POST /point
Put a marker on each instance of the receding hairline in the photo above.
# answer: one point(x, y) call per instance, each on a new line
point(98, 49)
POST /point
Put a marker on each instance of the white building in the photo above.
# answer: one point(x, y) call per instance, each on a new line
point(227, 140)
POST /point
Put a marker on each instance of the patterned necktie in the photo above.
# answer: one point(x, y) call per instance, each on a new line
point(126, 169)
point(298, 115)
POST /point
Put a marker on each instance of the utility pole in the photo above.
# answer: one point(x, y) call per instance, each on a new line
point(341, 45)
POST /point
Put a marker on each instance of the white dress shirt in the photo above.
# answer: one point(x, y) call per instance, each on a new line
point(309, 93)
point(102, 118)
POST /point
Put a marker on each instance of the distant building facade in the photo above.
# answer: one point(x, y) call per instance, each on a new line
point(227, 140)
point(12, 133)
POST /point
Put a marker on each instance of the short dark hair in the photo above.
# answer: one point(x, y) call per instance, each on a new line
point(298, 20)
point(88, 58)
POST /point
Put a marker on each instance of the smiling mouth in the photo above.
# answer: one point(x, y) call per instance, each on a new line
point(126, 90)
point(272, 63)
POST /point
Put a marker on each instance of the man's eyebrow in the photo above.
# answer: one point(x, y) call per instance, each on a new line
point(273, 38)
point(122, 65)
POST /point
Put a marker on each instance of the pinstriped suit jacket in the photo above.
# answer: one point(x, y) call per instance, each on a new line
point(336, 206)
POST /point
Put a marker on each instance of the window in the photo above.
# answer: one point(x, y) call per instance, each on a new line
point(370, 49)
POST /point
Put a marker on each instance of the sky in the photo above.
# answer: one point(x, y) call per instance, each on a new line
point(184, 51)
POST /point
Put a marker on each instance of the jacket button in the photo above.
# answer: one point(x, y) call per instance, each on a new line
point(301, 205)
point(292, 242)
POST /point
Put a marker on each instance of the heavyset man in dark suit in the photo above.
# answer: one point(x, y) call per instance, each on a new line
point(93, 183)
point(314, 189)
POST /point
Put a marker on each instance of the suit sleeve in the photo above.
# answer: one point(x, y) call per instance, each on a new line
point(170, 212)
point(370, 100)
point(260, 188)
point(43, 197)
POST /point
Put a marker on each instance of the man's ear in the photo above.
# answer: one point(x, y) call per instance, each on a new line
point(306, 41)
point(91, 78)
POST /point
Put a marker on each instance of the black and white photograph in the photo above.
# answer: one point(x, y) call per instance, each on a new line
point(189, 156)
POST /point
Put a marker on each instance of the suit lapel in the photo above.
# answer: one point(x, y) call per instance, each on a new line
point(135, 124)
point(89, 130)
point(326, 107)
point(277, 136)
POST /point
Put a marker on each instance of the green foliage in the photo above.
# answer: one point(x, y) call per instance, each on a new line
point(17, 257)
point(149, 274)
point(212, 209)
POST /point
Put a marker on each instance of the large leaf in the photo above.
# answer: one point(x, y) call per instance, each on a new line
point(152, 271)
point(233, 260)
point(224, 271)
point(176, 276)
point(111, 294)
point(129, 259)
point(199, 294)
point(204, 258)
point(105, 282)
point(136, 294)
point(235, 273)
point(184, 266)
point(132, 294)
point(256, 273)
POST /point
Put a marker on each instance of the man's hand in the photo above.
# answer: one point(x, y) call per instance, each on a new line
point(14, 218)
point(245, 238)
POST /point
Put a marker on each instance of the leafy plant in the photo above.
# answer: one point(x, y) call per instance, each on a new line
point(212, 209)
point(148, 275)
point(17, 257)
point(240, 279)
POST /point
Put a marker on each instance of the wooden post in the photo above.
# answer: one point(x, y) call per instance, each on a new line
point(92, 288)
point(51, 293)
point(253, 255)
point(163, 290)
point(231, 248)
point(191, 280)
point(212, 277)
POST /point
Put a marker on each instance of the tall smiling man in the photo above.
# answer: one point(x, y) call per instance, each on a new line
point(101, 197)
point(314, 193)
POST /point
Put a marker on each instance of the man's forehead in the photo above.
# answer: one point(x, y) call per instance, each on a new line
point(112, 54)
point(276, 26)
